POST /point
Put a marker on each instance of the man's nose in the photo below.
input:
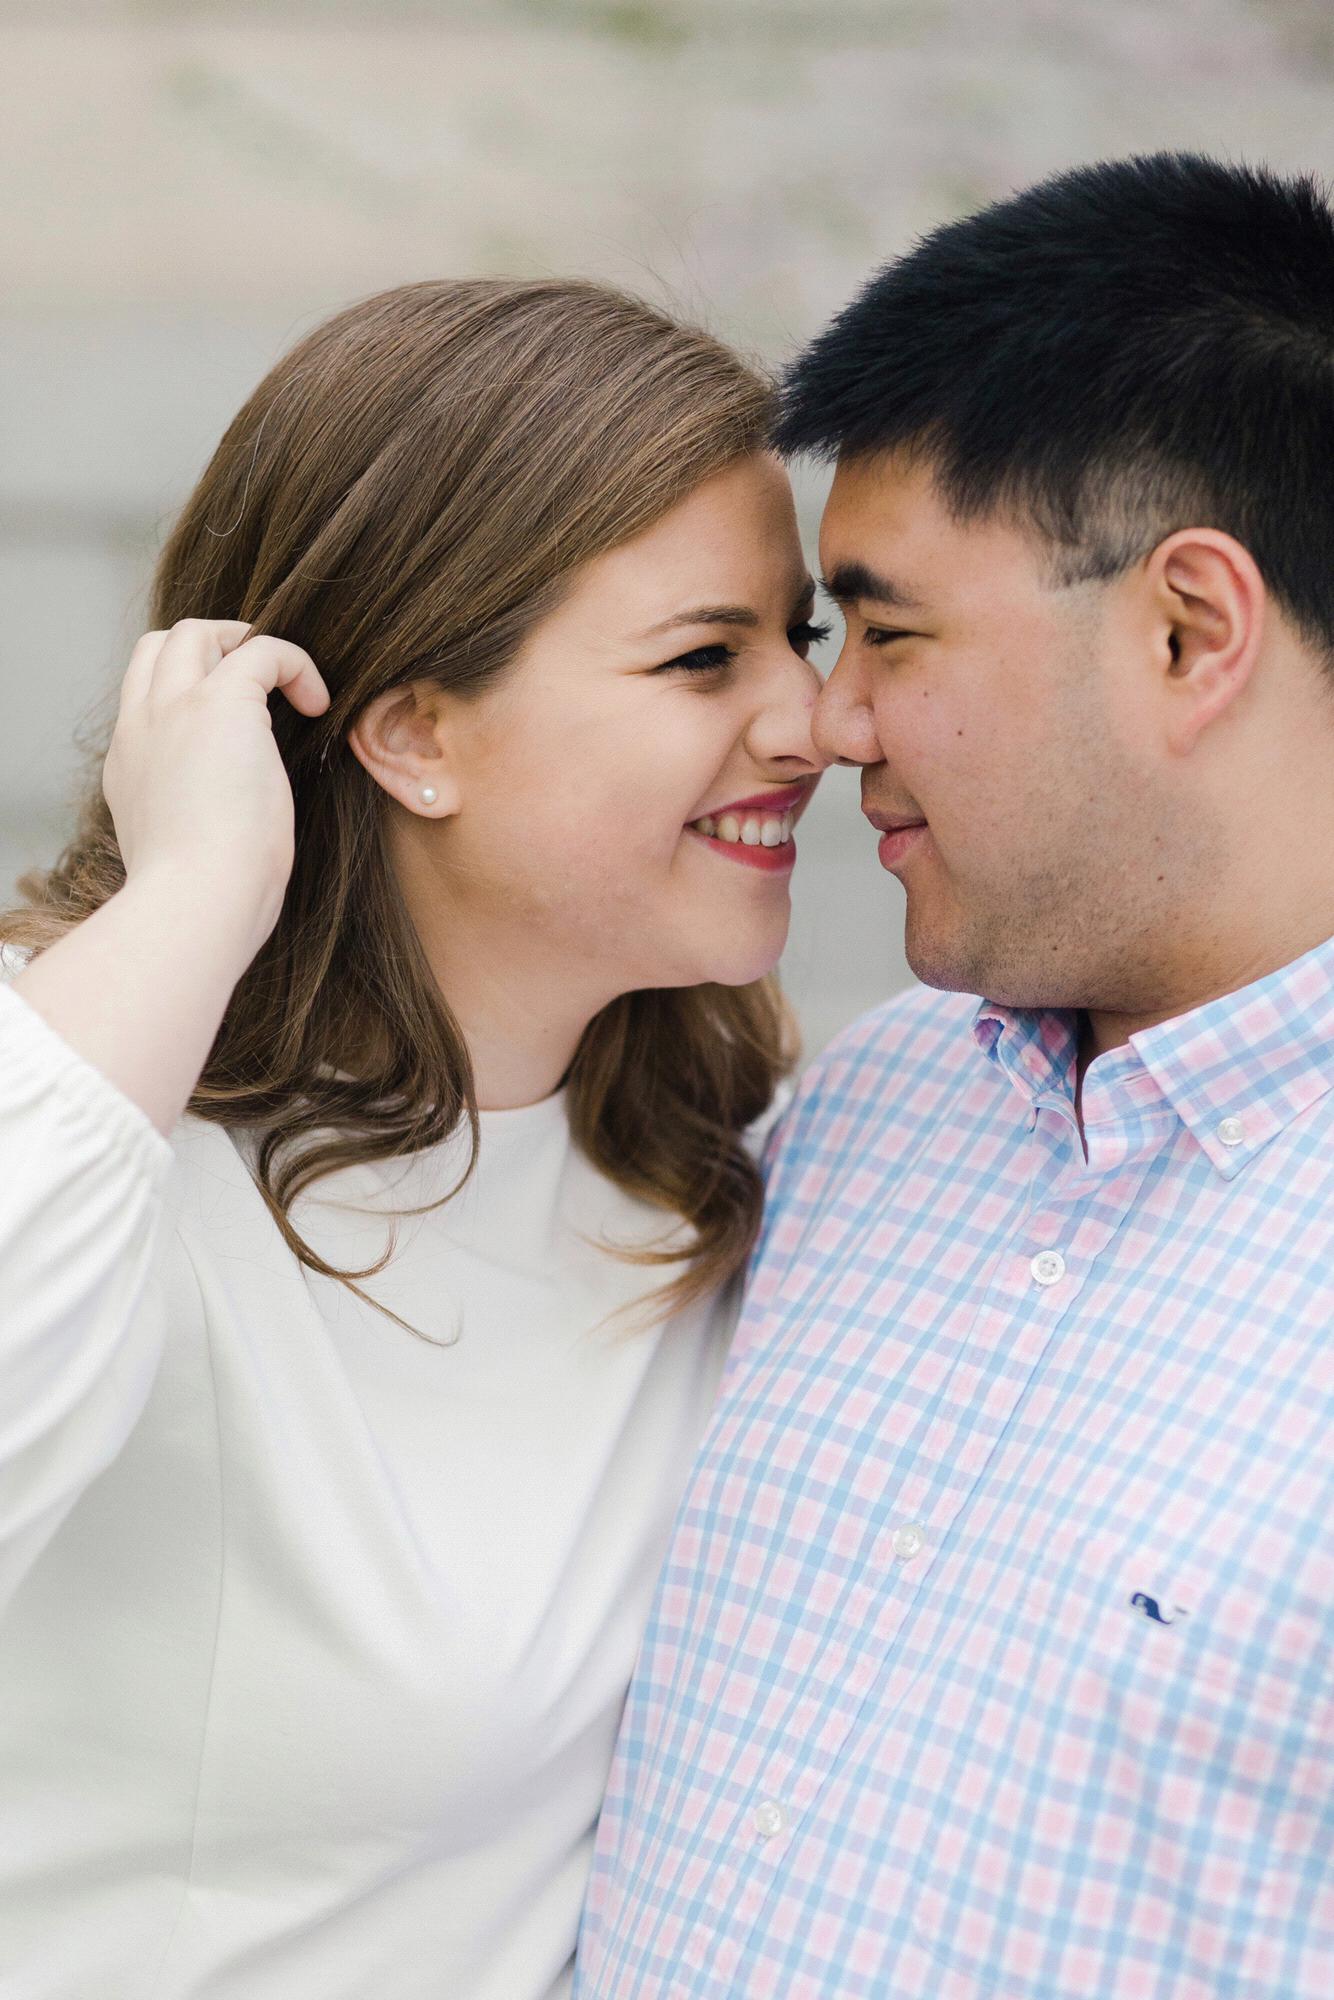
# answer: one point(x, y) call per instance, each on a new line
point(843, 726)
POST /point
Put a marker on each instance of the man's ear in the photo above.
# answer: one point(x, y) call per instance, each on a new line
point(401, 739)
point(1209, 603)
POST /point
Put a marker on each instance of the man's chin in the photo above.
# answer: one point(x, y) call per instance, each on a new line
point(954, 967)
point(942, 961)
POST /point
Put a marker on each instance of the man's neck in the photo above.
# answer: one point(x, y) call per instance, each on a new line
point(1104, 1029)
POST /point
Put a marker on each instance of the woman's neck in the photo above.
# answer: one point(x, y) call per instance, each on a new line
point(521, 1017)
point(518, 1057)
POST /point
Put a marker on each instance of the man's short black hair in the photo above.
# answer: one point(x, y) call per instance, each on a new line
point(1120, 351)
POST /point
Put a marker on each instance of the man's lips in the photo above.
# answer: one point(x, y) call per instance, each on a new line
point(884, 822)
point(899, 834)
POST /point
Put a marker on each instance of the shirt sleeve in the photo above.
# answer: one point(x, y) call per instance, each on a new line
point(82, 1173)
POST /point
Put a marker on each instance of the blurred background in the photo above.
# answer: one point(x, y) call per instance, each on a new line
point(187, 185)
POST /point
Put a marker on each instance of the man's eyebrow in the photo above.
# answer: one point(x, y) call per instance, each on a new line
point(727, 614)
point(853, 582)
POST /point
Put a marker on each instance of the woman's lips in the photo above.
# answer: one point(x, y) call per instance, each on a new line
point(766, 812)
point(787, 800)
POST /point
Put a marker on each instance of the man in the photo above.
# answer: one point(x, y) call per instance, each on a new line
point(992, 1655)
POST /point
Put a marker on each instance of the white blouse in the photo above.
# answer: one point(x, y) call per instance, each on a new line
point(314, 1635)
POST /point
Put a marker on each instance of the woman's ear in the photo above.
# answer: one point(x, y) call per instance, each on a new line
point(1211, 607)
point(401, 739)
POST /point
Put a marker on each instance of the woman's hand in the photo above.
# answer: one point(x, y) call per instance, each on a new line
point(203, 812)
point(193, 777)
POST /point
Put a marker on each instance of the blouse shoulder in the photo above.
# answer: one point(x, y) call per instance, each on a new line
point(757, 1134)
point(13, 958)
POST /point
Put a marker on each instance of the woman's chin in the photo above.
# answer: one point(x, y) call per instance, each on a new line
point(726, 953)
point(742, 961)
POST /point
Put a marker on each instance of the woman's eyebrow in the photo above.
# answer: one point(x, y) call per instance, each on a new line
point(726, 614)
point(706, 614)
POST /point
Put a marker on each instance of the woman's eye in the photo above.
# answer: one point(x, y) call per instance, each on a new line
point(703, 660)
point(802, 637)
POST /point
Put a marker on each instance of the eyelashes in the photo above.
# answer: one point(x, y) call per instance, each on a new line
point(703, 660)
point(708, 659)
point(807, 634)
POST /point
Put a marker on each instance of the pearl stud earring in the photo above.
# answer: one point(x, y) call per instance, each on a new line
point(429, 795)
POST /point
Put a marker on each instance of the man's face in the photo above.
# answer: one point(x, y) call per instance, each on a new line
point(1008, 726)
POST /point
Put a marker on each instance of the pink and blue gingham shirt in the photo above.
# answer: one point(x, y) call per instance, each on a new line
point(993, 1658)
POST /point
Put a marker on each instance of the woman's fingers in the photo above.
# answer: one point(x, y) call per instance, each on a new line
point(168, 662)
point(138, 675)
point(195, 649)
point(277, 663)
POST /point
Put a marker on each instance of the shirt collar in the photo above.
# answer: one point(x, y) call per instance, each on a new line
point(1034, 1047)
point(1235, 1071)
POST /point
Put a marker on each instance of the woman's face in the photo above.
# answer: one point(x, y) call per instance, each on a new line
point(617, 810)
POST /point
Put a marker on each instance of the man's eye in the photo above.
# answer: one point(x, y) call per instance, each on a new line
point(802, 637)
point(703, 660)
point(884, 635)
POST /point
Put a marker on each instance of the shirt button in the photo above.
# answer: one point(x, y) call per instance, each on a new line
point(907, 1541)
point(769, 1819)
point(1048, 1267)
point(1231, 1132)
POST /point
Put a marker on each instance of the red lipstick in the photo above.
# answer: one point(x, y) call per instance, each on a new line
point(765, 802)
point(791, 800)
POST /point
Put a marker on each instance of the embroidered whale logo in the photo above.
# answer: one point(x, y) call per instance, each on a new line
point(1149, 1606)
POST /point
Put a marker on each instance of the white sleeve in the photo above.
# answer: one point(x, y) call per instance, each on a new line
point(82, 1171)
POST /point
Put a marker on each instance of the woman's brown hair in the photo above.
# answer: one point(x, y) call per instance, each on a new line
point(405, 495)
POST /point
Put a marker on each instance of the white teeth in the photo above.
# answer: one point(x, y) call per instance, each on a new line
point(755, 830)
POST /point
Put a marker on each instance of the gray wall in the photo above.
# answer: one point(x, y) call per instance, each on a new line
point(185, 185)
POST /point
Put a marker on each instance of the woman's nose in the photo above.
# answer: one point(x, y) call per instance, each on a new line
point(780, 729)
point(842, 726)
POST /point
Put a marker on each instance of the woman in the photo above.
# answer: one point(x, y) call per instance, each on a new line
point(375, 1074)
